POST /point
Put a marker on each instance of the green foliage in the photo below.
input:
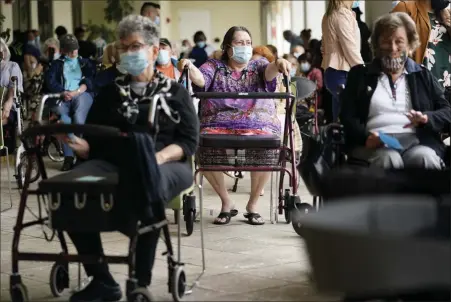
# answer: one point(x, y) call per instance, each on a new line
point(102, 30)
point(117, 9)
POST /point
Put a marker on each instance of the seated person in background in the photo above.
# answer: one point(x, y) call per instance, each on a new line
point(395, 96)
point(165, 63)
point(201, 50)
point(297, 50)
point(235, 72)
point(175, 144)
point(52, 49)
point(87, 49)
point(8, 69)
point(307, 70)
point(60, 31)
point(273, 50)
point(294, 63)
point(71, 76)
point(110, 55)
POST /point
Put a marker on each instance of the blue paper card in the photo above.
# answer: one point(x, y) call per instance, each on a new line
point(90, 178)
point(390, 141)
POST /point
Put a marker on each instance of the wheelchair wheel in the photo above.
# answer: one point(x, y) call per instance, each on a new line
point(19, 293)
point(59, 279)
point(300, 210)
point(140, 295)
point(287, 207)
point(178, 283)
point(22, 168)
point(189, 212)
point(55, 150)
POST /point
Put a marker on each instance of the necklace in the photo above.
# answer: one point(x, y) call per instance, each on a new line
point(392, 93)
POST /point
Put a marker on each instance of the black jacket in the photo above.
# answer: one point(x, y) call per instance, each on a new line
point(427, 96)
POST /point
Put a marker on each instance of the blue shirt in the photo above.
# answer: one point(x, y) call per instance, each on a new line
point(72, 74)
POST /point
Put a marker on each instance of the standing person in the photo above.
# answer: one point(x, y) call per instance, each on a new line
point(165, 63)
point(87, 49)
point(306, 36)
point(341, 44)
point(151, 10)
point(306, 69)
point(201, 50)
point(435, 44)
point(60, 31)
point(365, 35)
point(292, 38)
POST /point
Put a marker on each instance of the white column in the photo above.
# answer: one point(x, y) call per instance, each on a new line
point(34, 15)
point(297, 16)
point(7, 11)
point(165, 12)
point(62, 14)
point(314, 14)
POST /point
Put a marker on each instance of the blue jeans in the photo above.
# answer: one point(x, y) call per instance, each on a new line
point(77, 109)
point(333, 79)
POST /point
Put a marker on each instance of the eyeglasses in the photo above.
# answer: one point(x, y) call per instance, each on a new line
point(130, 48)
point(242, 42)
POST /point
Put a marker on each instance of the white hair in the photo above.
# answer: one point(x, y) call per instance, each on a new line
point(136, 24)
point(5, 50)
point(51, 42)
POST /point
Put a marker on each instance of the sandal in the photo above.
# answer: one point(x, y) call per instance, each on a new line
point(254, 218)
point(223, 215)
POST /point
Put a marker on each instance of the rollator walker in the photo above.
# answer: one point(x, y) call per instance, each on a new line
point(104, 212)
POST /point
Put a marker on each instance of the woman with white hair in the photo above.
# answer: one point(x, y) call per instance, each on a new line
point(8, 69)
point(124, 104)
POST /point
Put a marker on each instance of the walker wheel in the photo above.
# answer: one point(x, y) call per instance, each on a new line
point(19, 293)
point(300, 210)
point(178, 283)
point(189, 212)
point(59, 279)
point(189, 221)
point(287, 208)
point(140, 295)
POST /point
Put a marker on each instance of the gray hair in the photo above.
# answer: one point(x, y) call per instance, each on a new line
point(5, 50)
point(389, 23)
point(136, 24)
point(51, 42)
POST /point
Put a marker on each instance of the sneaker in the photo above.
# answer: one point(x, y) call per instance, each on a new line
point(68, 163)
point(98, 291)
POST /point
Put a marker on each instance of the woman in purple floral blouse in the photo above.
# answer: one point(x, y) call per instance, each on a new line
point(235, 72)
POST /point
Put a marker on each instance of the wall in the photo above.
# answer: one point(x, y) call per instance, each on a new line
point(375, 9)
point(62, 14)
point(7, 11)
point(224, 14)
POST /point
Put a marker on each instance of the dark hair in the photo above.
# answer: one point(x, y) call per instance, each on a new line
point(199, 36)
point(79, 30)
point(60, 31)
point(228, 38)
point(306, 56)
point(149, 4)
point(274, 50)
point(307, 33)
point(217, 40)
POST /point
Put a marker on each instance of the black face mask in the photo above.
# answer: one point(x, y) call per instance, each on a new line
point(390, 64)
point(438, 5)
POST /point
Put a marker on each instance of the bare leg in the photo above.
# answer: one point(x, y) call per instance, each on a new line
point(216, 179)
point(258, 182)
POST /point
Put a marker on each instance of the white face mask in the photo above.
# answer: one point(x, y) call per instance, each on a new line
point(242, 54)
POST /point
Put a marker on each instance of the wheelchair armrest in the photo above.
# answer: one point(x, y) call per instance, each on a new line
point(91, 130)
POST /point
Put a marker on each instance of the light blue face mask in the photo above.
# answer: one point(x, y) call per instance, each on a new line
point(305, 67)
point(163, 57)
point(292, 72)
point(56, 56)
point(355, 4)
point(201, 44)
point(134, 62)
point(242, 54)
point(157, 20)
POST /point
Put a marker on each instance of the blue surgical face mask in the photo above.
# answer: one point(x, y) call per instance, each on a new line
point(292, 72)
point(305, 67)
point(242, 54)
point(201, 44)
point(134, 62)
point(157, 20)
point(163, 57)
point(355, 4)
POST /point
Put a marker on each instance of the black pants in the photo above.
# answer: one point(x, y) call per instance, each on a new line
point(175, 178)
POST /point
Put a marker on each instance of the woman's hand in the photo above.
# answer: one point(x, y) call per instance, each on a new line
point(79, 145)
point(283, 66)
point(6, 110)
point(416, 119)
point(373, 141)
point(184, 62)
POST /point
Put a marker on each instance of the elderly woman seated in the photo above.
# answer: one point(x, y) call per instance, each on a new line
point(236, 72)
point(393, 109)
point(8, 69)
point(175, 144)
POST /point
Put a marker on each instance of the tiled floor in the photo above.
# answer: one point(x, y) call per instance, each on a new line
point(244, 263)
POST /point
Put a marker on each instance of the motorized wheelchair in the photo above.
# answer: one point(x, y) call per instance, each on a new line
point(106, 215)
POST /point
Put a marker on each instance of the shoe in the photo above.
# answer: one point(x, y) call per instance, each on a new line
point(98, 291)
point(68, 163)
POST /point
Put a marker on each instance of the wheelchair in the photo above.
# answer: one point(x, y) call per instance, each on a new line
point(224, 153)
point(106, 215)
